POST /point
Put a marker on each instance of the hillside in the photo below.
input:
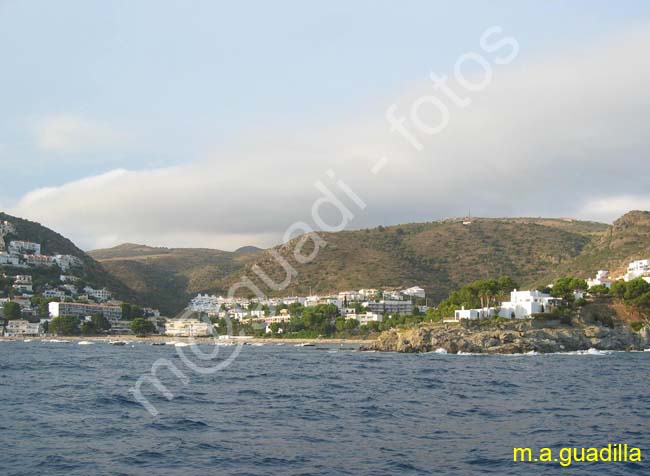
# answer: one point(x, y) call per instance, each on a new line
point(168, 277)
point(52, 243)
point(627, 240)
point(439, 256)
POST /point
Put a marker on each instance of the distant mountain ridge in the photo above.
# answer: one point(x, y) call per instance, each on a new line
point(439, 256)
point(169, 277)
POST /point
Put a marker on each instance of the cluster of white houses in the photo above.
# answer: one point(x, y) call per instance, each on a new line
point(25, 254)
point(365, 305)
point(523, 304)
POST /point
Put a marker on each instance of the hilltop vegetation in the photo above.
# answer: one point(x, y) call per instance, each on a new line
point(440, 256)
point(169, 277)
point(628, 239)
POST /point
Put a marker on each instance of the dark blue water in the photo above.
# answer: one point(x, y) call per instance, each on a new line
point(66, 410)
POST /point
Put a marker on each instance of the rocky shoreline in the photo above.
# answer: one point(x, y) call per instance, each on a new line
point(511, 338)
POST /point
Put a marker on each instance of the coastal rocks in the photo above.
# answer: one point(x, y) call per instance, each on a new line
point(510, 338)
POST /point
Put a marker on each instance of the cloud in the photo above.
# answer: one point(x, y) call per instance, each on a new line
point(561, 136)
point(73, 134)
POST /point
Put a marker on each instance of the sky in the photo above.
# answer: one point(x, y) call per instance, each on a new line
point(223, 124)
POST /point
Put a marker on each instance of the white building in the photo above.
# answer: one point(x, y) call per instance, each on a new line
point(24, 247)
point(57, 309)
point(23, 288)
point(602, 279)
point(637, 269)
point(66, 262)
point(393, 295)
point(54, 294)
point(332, 300)
point(71, 288)
point(22, 328)
point(101, 295)
point(311, 301)
point(9, 260)
point(390, 307)
point(188, 328)
point(67, 278)
point(204, 303)
point(350, 296)
point(38, 260)
point(415, 291)
point(369, 293)
point(6, 228)
point(365, 318)
point(472, 314)
point(523, 304)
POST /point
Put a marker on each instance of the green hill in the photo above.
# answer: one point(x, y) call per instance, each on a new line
point(439, 256)
point(53, 243)
point(628, 239)
point(169, 277)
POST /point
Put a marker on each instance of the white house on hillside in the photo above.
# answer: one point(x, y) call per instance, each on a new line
point(523, 304)
point(19, 247)
point(472, 314)
point(415, 291)
point(637, 269)
point(602, 279)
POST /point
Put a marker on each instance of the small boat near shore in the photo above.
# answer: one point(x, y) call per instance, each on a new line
point(117, 342)
point(305, 344)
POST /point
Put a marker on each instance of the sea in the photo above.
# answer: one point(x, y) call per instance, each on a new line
point(70, 409)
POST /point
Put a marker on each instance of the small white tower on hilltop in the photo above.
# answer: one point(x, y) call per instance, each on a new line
point(468, 220)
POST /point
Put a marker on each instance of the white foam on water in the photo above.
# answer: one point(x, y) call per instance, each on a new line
point(591, 351)
point(181, 344)
point(85, 342)
point(440, 351)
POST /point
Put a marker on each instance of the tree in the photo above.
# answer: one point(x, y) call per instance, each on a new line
point(351, 324)
point(636, 288)
point(618, 289)
point(87, 328)
point(566, 287)
point(131, 311)
point(126, 312)
point(296, 309)
point(64, 326)
point(319, 318)
point(100, 322)
point(599, 290)
point(141, 327)
point(11, 311)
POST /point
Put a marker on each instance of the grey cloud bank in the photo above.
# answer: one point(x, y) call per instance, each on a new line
point(566, 136)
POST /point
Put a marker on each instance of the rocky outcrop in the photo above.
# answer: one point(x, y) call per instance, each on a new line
point(511, 338)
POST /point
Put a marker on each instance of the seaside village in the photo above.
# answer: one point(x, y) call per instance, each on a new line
point(28, 312)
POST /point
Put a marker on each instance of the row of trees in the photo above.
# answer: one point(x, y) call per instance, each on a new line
point(72, 326)
point(479, 294)
point(635, 293)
